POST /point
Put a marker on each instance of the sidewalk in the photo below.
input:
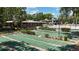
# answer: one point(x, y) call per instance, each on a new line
point(71, 26)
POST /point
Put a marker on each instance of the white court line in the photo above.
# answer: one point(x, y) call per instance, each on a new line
point(10, 38)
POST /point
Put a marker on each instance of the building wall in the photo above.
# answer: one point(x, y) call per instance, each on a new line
point(31, 25)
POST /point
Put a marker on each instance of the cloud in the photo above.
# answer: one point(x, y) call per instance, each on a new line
point(32, 8)
point(71, 13)
point(57, 9)
point(53, 14)
point(34, 11)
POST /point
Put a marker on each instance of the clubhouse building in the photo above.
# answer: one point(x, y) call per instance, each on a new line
point(30, 24)
point(24, 24)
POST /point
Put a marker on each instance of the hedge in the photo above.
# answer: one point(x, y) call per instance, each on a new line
point(65, 29)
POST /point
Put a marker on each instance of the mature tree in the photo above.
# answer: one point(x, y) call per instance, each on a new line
point(12, 13)
point(48, 16)
point(29, 17)
point(39, 16)
point(65, 11)
point(1, 15)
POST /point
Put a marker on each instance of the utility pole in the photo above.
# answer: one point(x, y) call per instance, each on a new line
point(59, 30)
point(75, 19)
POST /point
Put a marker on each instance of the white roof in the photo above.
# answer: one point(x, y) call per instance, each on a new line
point(9, 21)
point(30, 21)
point(33, 22)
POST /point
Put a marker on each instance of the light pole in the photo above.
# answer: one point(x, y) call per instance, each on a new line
point(59, 30)
point(75, 18)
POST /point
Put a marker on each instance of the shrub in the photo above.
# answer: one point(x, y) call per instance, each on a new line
point(50, 49)
point(65, 39)
point(67, 48)
point(28, 32)
point(54, 49)
point(46, 28)
point(65, 29)
point(47, 35)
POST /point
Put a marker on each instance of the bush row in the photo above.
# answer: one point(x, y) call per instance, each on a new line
point(65, 29)
point(28, 31)
point(46, 28)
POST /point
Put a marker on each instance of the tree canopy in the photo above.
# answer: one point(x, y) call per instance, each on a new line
point(40, 16)
point(12, 13)
point(66, 11)
point(16, 14)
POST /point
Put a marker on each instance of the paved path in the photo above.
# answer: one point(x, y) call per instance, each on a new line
point(65, 26)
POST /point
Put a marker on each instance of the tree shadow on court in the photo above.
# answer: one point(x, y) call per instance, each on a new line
point(65, 48)
point(16, 46)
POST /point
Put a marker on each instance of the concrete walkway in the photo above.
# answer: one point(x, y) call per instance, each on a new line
point(71, 26)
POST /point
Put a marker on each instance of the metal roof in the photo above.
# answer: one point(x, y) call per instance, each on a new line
point(33, 22)
point(9, 21)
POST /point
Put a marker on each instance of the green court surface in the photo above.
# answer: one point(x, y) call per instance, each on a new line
point(3, 39)
point(51, 33)
point(39, 42)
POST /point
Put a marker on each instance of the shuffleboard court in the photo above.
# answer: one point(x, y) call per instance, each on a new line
point(5, 39)
point(56, 42)
point(34, 41)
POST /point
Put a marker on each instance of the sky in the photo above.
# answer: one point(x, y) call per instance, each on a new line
point(53, 10)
